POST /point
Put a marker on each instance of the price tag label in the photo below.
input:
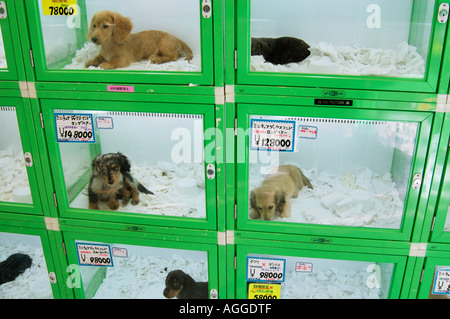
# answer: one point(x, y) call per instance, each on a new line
point(59, 7)
point(272, 135)
point(104, 122)
point(264, 291)
point(442, 282)
point(303, 267)
point(74, 128)
point(265, 269)
point(94, 255)
point(308, 132)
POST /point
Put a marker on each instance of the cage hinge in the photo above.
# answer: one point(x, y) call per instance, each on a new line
point(235, 211)
point(432, 225)
point(64, 248)
point(55, 200)
point(41, 117)
point(418, 250)
point(3, 13)
point(206, 9)
point(31, 58)
point(443, 13)
point(235, 262)
point(235, 59)
point(51, 223)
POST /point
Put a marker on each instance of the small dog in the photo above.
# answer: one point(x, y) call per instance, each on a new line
point(183, 286)
point(280, 50)
point(111, 180)
point(273, 196)
point(13, 266)
point(119, 48)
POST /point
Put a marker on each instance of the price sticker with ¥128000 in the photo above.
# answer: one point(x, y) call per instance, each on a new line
point(265, 269)
point(94, 255)
point(272, 135)
point(59, 7)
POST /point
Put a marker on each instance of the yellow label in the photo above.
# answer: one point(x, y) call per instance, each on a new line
point(59, 7)
point(264, 291)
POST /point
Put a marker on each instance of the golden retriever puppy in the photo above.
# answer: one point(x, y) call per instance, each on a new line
point(119, 48)
point(275, 192)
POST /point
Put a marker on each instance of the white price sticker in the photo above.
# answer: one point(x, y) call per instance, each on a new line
point(272, 135)
point(94, 255)
point(442, 282)
point(265, 269)
point(75, 128)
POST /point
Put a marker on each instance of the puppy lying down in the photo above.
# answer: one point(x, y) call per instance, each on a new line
point(274, 194)
point(119, 48)
point(280, 50)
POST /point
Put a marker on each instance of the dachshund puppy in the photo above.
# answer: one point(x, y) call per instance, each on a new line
point(280, 50)
point(13, 266)
point(119, 48)
point(183, 286)
point(111, 180)
point(275, 192)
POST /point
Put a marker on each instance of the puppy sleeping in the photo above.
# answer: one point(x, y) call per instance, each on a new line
point(181, 285)
point(119, 48)
point(275, 192)
point(280, 50)
point(111, 180)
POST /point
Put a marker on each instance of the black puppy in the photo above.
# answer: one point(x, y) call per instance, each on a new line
point(280, 50)
point(13, 266)
point(111, 180)
point(183, 286)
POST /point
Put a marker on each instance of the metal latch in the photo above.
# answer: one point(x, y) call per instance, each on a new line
point(210, 171)
point(28, 159)
point(417, 181)
point(206, 9)
point(2, 10)
point(213, 294)
point(52, 277)
point(443, 12)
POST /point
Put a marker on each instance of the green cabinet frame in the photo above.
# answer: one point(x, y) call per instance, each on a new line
point(206, 77)
point(10, 32)
point(24, 114)
point(244, 111)
point(203, 243)
point(246, 77)
point(206, 110)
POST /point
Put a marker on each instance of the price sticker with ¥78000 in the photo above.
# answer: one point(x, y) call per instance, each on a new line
point(59, 7)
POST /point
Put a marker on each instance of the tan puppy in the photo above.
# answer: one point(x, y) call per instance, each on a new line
point(119, 48)
point(275, 192)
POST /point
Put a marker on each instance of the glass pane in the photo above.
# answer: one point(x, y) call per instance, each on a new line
point(3, 64)
point(334, 172)
point(69, 44)
point(137, 271)
point(23, 271)
point(14, 186)
point(440, 287)
point(346, 37)
point(317, 278)
point(147, 163)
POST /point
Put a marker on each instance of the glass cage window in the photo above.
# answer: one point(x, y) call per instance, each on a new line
point(3, 64)
point(23, 271)
point(164, 151)
point(335, 171)
point(14, 185)
point(317, 278)
point(69, 44)
point(136, 272)
point(370, 38)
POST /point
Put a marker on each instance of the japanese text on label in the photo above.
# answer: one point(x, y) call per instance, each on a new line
point(263, 269)
point(94, 255)
point(272, 135)
point(74, 128)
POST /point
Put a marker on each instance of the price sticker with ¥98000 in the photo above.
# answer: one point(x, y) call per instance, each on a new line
point(265, 269)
